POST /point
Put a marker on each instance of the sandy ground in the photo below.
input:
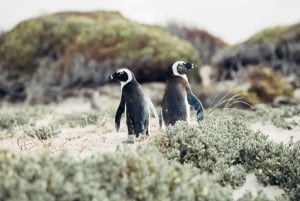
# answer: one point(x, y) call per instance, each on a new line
point(276, 134)
point(252, 185)
point(83, 142)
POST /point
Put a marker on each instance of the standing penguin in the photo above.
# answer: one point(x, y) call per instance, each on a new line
point(134, 101)
point(178, 95)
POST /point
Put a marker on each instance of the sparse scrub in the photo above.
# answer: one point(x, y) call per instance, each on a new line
point(279, 118)
point(42, 132)
point(201, 160)
point(18, 117)
point(79, 119)
point(277, 47)
point(282, 169)
point(8, 120)
point(63, 51)
point(249, 116)
point(228, 149)
point(265, 86)
point(123, 175)
point(249, 197)
point(214, 147)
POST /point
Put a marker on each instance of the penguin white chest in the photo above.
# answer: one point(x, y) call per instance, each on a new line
point(188, 111)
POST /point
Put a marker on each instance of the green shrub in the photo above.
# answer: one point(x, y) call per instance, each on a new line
point(228, 149)
point(283, 169)
point(11, 118)
point(79, 119)
point(215, 146)
point(280, 116)
point(270, 34)
point(123, 175)
point(249, 197)
point(42, 132)
point(266, 85)
point(63, 51)
point(8, 120)
point(217, 152)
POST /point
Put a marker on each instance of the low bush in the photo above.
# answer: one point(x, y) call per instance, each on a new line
point(42, 132)
point(266, 85)
point(215, 146)
point(228, 149)
point(11, 118)
point(123, 175)
point(79, 119)
point(282, 117)
point(283, 169)
point(189, 162)
point(8, 120)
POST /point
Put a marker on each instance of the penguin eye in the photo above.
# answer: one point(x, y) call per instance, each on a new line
point(121, 72)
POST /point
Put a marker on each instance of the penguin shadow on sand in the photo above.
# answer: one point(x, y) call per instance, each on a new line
point(178, 96)
point(134, 103)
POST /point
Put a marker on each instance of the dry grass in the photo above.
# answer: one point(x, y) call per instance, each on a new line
point(226, 102)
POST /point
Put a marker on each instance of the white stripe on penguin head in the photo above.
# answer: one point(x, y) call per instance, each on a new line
point(128, 72)
point(175, 72)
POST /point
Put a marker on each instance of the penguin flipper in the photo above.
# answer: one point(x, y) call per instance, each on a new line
point(119, 113)
point(160, 120)
point(196, 104)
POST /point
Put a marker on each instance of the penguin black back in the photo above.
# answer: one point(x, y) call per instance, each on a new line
point(133, 101)
point(178, 95)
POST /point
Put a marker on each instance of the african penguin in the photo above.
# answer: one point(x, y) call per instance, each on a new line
point(178, 95)
point(133, 101)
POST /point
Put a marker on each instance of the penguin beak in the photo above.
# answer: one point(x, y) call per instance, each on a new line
point(111, 77)
point(189, 65)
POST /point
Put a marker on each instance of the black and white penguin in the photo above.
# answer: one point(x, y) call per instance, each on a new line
point(133, 101)
point(178, 95)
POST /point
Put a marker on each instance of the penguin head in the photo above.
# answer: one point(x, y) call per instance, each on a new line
point(124, 75)
point(180, 68)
